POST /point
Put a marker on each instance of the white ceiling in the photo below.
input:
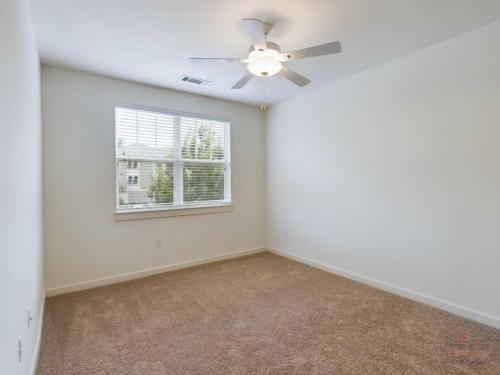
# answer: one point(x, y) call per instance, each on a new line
point(151, 41)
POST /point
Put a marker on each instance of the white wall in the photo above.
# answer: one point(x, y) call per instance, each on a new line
point(394, 174)
point(20, 189)
point(83, 242)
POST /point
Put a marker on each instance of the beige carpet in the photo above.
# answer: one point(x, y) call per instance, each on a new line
point(261, 314)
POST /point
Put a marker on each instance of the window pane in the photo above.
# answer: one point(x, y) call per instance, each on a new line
point(144, 134)
point(202, 139)
point(203, 182)
point(147, 184)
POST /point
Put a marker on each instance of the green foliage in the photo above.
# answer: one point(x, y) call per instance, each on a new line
point(201, 182)
point(202, 144)
point(162, 186)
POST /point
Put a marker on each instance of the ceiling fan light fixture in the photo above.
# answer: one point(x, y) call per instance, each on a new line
point(265, 58)
point(264, 63)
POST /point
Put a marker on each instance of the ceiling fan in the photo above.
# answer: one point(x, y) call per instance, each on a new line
point(265, 58)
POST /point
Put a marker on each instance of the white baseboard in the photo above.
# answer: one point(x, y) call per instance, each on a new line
point(149, 272)
point(38, 337)
point(410, 294)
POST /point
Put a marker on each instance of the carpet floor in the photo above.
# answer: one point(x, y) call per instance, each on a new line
point(260, 314)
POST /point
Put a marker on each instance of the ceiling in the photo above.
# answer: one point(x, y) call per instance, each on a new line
point(151, 41)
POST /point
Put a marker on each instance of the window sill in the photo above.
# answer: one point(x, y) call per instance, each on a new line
point(176, 211)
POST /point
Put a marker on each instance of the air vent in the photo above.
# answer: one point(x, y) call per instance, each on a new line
point(196, 81)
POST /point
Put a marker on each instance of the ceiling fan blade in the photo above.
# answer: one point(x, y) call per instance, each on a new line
point(255, 31)
point(323, 49)
point(197, 60)
point(294, 77)
point(243, 81)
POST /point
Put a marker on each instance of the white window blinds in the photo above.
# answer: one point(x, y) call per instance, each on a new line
point(169, 160)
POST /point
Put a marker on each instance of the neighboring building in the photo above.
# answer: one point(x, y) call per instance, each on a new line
point(137, 167)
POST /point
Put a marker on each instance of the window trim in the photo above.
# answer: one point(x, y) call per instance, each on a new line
point(156, 213)
point(176, 210)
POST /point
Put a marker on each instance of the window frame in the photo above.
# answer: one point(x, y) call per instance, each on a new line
point(175, 209)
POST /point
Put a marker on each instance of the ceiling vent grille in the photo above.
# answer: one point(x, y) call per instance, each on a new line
point(195, 81)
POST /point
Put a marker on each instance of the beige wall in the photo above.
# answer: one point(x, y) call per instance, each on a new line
point(21, 284)
point(393, 175)
point(83, 242)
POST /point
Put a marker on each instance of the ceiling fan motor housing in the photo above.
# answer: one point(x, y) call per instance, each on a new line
point(270, 45)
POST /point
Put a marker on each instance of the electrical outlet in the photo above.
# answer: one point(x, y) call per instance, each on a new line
point(159, 244)
point(19, 350)
point(30, 318)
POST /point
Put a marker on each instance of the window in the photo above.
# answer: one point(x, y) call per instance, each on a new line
point(168, 160)
point(133, 180)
